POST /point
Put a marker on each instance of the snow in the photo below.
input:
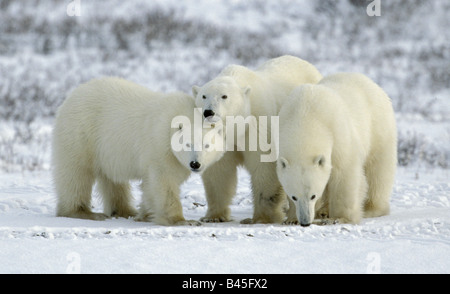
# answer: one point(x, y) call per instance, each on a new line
point(171, 45)
point(414, 238)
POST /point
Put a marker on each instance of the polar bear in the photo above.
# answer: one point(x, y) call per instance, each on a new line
point(338, 149)
point(111, 131)
point(238, 92)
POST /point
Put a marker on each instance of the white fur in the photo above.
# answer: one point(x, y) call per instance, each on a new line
point(338, 142)
point(112, 131)
point(250, 93)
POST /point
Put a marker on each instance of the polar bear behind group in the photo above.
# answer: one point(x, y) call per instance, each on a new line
point(335, 146)
point(239, 91)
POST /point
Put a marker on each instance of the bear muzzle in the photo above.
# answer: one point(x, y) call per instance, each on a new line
point(208, 113)
point(195, 166)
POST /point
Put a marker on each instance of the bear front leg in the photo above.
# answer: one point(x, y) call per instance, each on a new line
point(117, 198)
point(220, 182)
point(346, 196)
point(268, 196)
point(161, 202)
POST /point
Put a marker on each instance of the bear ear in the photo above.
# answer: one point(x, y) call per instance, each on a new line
point(283, 162)
point(319, 160)
point(246, 91)
point(195, 90)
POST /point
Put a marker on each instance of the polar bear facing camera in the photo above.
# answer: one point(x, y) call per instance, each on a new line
point(338, 149)
point(111, 131)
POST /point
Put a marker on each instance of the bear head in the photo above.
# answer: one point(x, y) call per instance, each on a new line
point(197, 144)
point(222, 97)
point(304, 182)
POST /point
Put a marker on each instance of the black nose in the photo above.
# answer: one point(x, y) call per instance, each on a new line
point(208, 113)
point(305, 225)
point(195, 165)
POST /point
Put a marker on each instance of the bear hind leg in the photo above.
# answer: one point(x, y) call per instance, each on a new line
point(74, 192)
point(117, 198)
point(380, 175)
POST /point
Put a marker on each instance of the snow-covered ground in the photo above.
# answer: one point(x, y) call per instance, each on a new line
point(174, 44)
point(414, 238)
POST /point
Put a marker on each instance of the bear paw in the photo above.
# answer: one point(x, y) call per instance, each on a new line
point(98, 216)
point(260, 220)
point(291, 222)
point(247, 221)
point(125, 213)
point(326, 222)
point(188, 223)
point(212, 219)
point(86, 215)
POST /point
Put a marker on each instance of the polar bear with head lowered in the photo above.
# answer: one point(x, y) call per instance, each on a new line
point(252, 97)
point(112, 131)
point(338, 149)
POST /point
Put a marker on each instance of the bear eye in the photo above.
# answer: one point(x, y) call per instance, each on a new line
point(313, 197)
point(204, 97)
point(294, 198)
point(207, 146)
point(188, 145)
point(224, 97)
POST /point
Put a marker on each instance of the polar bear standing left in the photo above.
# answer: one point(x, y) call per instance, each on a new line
point(111, 131)
point(338, 144)
point(239, 92)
